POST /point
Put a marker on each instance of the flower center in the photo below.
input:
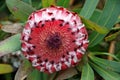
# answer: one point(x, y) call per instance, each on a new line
point(54, 41)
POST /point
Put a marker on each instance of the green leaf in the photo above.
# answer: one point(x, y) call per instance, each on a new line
point(115, 28)
point(19, 9)
point(37, 75)
point(106, 64)
point(77, 10)
point(88, 8)
point(2, 34)
point(63, 3)
point(118, 54)
point(91, 25)
point(8, 76)
point(52, 76)
point(5, 68)
point(37, 4)
point(118, 20)
point(45, 76)
point(103, 53)
point(28, 1)
point(87, 72)
point(9, 45)
point(107, 18)
point(106, 74)
point(95, 15)
point(47, 3)
point(117, 50)
point(112, 36)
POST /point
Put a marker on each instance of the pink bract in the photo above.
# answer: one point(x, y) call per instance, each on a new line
point(54, 39)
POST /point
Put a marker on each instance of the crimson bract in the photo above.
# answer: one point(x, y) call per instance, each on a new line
point(54, 39)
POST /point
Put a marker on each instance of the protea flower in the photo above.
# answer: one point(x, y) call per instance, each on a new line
point(54, 39)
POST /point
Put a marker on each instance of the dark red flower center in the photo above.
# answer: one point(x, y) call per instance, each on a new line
point(54, 41)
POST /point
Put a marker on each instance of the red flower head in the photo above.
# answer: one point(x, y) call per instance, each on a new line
point(54, 39)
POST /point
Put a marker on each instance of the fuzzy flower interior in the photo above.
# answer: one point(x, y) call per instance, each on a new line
point(54, 39)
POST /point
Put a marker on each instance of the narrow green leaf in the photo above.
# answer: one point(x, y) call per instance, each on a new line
point(106, 74)
point(117, 50)
point(5, 68)
point(115, 28)
point(107, 18)
point(63, 3)
point(106, 64)
point(95, 15)
point(91, 25)
point(103, 53)
point(52, 76)
point(19, 9)
point(87, 73)
point(47, 3)
point(88, 8)
point(10, 45)
point(112, 36)
point(77, 10)
point(35, 75)
point(45, 76)
point(118, 54)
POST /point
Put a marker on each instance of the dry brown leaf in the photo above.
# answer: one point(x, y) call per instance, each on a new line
point(23, 70)
point(66, 74)
point(12, 27)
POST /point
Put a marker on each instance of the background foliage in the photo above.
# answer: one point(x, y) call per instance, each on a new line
point(102, 59)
